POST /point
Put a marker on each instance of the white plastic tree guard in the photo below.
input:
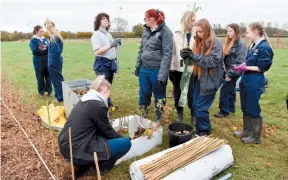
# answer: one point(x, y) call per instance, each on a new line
point(141, 144)
point(202, 169)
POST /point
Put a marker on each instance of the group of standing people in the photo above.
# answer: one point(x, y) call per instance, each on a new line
point(47, 59)
point(192, 57)
point(194, 54)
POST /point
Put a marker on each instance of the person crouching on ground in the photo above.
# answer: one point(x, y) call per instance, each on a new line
point(92, 132)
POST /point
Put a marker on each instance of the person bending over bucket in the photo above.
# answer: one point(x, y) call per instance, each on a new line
point(154, 60)
point(92, 132)
point(207, 76)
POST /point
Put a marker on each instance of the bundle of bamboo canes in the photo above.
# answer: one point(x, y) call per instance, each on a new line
point(180, 157)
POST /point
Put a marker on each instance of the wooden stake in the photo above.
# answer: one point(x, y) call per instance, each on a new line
point(71, 154)
point(97, 166)
point(52, 143)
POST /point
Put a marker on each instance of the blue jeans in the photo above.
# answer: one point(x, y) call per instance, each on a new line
point(118, 148)
point(201, 106)
point(228, 97)
point(148, 82)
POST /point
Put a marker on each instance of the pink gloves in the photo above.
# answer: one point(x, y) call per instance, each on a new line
point(242, 67)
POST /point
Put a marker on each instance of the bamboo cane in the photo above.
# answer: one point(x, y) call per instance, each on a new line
point(97, 166)
point(175, 153)
point(52, 142)
point(161, 174)
point(71, 154)
point(188, 153)
point(165, 172)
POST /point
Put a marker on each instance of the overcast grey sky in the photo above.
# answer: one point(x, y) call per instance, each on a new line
point(78, 15)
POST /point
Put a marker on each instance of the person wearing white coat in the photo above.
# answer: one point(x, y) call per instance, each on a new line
point(183, 37)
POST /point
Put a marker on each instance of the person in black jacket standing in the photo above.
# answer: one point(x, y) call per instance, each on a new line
point(234, 52)
point(92, 132)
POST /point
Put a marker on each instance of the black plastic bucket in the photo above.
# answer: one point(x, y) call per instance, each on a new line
point(176, 139)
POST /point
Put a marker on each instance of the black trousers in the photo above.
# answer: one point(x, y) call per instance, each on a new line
point(175, 78)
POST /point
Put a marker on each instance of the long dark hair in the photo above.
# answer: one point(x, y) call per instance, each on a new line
point(36, 29)
point(97, 21)
point(230, 42)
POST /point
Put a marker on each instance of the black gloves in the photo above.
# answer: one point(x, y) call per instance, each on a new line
point(162, 82)
point(137, 71)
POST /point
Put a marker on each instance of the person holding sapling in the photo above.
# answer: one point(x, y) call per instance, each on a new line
point(38, 45)
point(258, 60)
point(104, 50)
point(182, 37)
point(154, 60)
point(91, 132)
point(55, 59)
point(207, 76)
point(234, 53)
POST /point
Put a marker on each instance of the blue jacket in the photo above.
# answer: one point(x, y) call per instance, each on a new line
point(260, 56)
point(55, 52)
point(38, 54)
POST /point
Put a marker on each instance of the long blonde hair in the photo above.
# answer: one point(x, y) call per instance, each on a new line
point(184, 21)
point(52, 31)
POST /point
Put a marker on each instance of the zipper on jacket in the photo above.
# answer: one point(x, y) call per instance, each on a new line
point(212, 78)
point(106, 149)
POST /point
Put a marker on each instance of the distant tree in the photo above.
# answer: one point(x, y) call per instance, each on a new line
point(120, 24)
point(138, 30)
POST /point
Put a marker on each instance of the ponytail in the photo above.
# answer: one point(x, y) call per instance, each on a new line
point(36, 29)
point(161, 17)
point(157, 14)
point(267, 38)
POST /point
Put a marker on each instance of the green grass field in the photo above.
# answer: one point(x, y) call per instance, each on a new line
point(250, 160)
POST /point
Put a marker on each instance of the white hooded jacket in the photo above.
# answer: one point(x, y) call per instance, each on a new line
point(179, 43)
